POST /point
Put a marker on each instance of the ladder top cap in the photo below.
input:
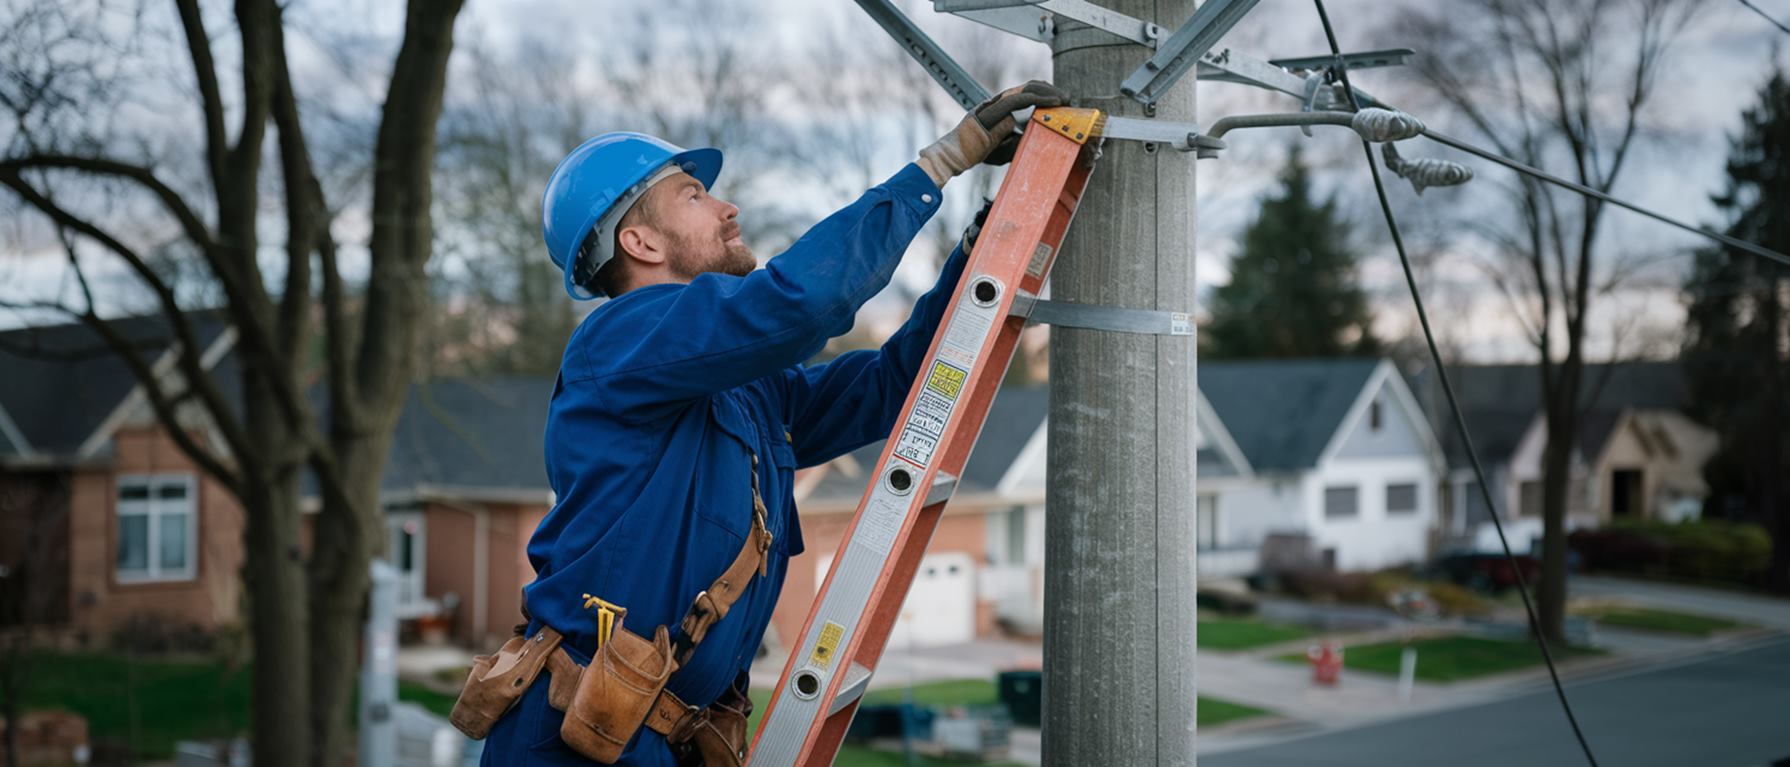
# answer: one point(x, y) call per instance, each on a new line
point(1076, 124)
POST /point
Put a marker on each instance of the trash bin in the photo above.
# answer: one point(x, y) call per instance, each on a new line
point(1023, 694)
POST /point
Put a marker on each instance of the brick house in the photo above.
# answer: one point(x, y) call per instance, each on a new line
point(105, 526)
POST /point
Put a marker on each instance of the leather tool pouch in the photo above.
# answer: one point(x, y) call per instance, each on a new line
point(497, 681)
point(615, 692)
point(716, 736)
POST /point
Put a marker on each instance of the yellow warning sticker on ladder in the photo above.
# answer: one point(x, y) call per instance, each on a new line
point(946, 380)
point(830, 634)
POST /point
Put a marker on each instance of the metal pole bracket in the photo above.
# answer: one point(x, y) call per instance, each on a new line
point(1114, 319)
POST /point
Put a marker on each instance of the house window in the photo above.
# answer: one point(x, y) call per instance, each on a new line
point(156, 531)
point(1401, 499)
point(1529, 498)
point(1340, 501)
point(1207, 519)
point(1373, 415)
point(1016, 535)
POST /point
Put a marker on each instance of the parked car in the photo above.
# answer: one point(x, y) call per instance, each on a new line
point(1486, 571)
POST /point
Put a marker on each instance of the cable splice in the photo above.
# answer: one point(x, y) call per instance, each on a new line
point(1384, 125)
point(1425, 172)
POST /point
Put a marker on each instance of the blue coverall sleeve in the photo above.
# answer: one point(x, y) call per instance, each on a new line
point(854, 399)
point(722, 331)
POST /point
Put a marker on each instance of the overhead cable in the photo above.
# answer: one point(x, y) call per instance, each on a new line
point(1460, 421)
point(1766, 16)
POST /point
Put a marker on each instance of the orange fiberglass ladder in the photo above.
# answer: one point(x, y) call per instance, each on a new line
point(856, 608)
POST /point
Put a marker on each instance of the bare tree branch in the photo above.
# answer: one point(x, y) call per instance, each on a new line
point(211, 102)
point(190, 350)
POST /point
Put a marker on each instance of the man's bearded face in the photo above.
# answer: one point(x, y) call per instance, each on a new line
point(704, 232)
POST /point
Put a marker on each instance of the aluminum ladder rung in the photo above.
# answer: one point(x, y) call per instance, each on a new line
point(857, 680)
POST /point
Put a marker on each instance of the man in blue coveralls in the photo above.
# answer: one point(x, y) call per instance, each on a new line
point(684, 395)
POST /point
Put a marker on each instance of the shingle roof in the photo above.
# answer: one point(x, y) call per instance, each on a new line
point(484, 432)
point(1282, 413)
point(61, 381)
point(1499, 403)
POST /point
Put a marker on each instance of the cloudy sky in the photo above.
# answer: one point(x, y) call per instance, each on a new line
point(1715, 68)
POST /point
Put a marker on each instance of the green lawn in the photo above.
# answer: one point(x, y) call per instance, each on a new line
point(1663, 621)
point(146, 704)
point(1451, 659)
point(1215, 712)
point(1235, 634)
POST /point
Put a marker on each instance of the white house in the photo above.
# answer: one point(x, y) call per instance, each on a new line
point(1339, 451)
point(1335, 451)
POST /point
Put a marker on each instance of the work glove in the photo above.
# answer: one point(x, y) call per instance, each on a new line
point(985, 128)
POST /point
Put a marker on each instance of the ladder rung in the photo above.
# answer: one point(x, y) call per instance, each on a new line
point(943, 486)
point(857, 679)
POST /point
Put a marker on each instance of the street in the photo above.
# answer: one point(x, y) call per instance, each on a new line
point(1729, 708)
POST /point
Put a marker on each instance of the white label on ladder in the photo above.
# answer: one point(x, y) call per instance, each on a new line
point(881, 523)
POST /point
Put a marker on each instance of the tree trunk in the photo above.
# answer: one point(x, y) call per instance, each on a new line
point(347, 541)
point(1556, 468)
point(1772, 482)
point(1562, 413)
point(274, 574)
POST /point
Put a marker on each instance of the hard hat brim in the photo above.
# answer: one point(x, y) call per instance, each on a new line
point(704, 163)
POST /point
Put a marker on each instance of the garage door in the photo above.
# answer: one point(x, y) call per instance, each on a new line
point(940, 607)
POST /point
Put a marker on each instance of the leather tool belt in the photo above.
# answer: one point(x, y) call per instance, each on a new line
point(623, 688)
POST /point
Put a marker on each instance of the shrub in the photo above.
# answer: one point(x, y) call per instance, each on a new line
point(1452, 599)
point(1704, 550)
point(1350, 588)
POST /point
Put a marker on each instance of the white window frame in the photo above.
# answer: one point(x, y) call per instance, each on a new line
point(153, 508)
point(413, 599)
point(1206, 521)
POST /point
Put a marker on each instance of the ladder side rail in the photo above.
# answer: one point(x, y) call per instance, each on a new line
point(1030, 197)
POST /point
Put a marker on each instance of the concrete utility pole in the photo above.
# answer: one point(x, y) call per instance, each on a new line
point(1119, 546)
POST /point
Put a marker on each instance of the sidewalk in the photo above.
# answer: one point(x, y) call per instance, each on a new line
point(1757, 609)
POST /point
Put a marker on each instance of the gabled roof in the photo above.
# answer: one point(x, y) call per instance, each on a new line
point(1283, 413)
point(1501, 402)
point(61, 382)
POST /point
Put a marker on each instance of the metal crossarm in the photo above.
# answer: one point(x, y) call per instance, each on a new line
point(944, 69)
point(856, 608)
point(1184, 48)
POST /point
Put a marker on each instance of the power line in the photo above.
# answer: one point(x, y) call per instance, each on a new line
point(1733, 242)
point(1460, 421)
point(1766, 16)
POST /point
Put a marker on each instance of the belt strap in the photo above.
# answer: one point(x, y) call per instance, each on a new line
point(711, 605)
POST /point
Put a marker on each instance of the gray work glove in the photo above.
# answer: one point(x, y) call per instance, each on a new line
point(984, 128)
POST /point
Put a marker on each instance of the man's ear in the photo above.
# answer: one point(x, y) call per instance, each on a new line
point(642, 244)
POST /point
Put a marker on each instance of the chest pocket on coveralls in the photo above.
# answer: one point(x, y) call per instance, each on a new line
point(727, 501)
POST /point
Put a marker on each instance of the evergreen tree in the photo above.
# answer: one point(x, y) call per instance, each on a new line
point(1293, 291)
point(1737, 328)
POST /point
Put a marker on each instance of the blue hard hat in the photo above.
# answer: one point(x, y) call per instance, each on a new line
point(604, 176)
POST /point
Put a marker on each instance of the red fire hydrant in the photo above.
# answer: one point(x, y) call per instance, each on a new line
point(1326, 663)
